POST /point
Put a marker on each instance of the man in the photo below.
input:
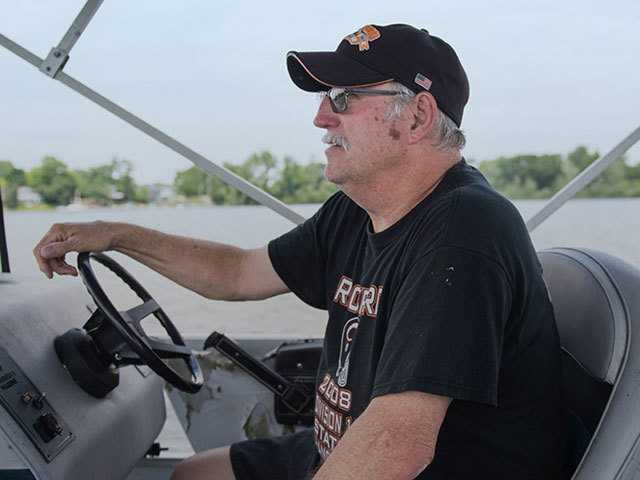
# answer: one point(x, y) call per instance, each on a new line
point(441, 356)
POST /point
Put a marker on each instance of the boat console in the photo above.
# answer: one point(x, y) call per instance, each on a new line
point(50, 427)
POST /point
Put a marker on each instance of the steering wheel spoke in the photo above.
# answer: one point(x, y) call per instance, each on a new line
point(168, 350)
point(137, 313)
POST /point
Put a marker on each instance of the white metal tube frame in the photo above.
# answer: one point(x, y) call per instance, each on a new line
point(53, 67)
point(59, 55)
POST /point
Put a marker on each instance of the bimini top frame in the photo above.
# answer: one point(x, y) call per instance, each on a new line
point(58, 57)
point(55, 62)
point(4, 254)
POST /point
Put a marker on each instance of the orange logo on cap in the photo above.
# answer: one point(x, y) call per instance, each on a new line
point(362, 37)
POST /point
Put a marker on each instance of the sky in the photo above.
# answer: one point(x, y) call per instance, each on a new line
point(545, 76)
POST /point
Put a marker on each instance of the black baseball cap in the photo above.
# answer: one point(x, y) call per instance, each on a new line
point(378, 54)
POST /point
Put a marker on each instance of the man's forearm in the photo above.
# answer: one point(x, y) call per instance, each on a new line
point(393, 439)
point(208, 268)
point(374, 453)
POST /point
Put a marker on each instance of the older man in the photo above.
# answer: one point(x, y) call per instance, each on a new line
point(441, 356)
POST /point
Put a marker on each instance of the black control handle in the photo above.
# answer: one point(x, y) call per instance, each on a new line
point(292, 395)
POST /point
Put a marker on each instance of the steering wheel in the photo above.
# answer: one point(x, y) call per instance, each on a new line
point(130, 345)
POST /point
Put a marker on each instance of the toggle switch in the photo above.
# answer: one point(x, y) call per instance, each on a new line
point(38, 402)
point(47, 427)
point(26, 397)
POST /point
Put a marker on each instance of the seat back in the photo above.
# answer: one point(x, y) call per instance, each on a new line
point(596, 300)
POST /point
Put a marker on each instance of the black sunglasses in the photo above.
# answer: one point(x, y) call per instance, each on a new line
point(339, 97)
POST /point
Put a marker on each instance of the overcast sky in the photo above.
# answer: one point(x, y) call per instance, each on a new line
point(545, 76)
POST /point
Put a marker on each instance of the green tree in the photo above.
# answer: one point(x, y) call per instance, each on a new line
point(292, 183)
point(618, 180)
point(581, 158)
point(142, 194)
point(222, 194)
point(123, 180)
point(613, 182)
point(11, 174)
point(632, 176)
point(531, 176)
point(525, 176)
point(11, 179)
point(191, 182)
point(53, 181)
point(98, 184)
point(95, 183)
point(302, 183)
point(259, 169)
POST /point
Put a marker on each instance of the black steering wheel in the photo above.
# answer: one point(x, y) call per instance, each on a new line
point(130, 345)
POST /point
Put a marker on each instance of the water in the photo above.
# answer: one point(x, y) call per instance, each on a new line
point(612, 225)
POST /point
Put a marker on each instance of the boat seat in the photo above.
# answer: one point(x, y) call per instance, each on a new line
point(596, 300)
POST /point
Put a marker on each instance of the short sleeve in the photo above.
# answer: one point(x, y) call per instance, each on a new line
point(446, 328)
point(299, 256)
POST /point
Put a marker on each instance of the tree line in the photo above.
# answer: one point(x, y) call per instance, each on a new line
point(517, 177)
point(541, 176)
point(113, 183)
point(289, 181)
point(57, 184)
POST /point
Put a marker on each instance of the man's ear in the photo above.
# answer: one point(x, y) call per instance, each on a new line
point(424, 112)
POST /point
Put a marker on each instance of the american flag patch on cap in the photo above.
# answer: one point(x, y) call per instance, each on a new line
point(423, 81)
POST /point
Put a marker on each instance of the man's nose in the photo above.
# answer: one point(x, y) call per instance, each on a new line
point(325, 117)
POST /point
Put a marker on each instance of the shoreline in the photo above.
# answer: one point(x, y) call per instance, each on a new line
point(610, 225)
point(141, 206)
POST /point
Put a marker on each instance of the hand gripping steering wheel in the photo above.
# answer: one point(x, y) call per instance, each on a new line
point(120, 337)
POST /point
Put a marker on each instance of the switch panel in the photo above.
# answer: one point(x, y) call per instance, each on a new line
point(31, 410)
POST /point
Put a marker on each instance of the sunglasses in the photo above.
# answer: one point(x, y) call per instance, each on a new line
point(339, 97)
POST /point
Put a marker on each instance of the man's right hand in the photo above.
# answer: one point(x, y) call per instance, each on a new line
point(71, 237)
point(213, 270)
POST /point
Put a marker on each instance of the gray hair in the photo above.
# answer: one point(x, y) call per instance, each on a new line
point(447, 134)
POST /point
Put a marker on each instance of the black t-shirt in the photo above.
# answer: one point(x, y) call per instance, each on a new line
point(449, 300)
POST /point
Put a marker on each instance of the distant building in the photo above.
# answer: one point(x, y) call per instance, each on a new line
point(115, 195)
point(28, 197)
point(161, 193)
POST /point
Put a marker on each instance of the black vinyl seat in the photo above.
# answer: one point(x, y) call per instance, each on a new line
point(596, 300)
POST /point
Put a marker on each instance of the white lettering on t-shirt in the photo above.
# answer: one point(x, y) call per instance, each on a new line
point(358, 299)
point(342, 293)
point(333, 404)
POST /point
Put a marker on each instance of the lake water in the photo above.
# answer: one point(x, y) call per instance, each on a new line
point(610, 225)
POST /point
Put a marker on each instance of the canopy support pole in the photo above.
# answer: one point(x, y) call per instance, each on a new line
point(4, 249)
point(53, 65)
point(59, 55)
point(582, 180)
